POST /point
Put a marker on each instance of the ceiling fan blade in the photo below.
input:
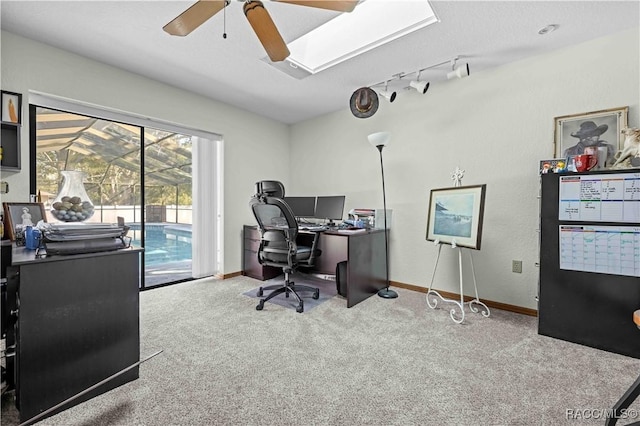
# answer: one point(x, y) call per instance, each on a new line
point(195, 16)
point(266, 30)
point(337, 5)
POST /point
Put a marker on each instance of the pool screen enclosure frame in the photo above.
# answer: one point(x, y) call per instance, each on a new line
point(172, 173)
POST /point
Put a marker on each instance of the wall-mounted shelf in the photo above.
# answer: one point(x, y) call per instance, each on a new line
point(10, 142)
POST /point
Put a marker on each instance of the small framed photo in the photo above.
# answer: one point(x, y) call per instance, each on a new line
point(19, 215)
point(553, 165)
point(11, 107)
point(455, 215)
point(573, 133)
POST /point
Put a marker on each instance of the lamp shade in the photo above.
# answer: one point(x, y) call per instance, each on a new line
point(379, 139)
point(420, 86)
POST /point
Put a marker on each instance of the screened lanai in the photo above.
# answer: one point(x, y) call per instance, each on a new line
point(141, 174)
point(109, 152)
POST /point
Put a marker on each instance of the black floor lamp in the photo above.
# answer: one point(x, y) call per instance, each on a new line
point(380, 140)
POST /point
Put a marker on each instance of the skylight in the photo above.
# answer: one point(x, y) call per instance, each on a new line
point(371, 24)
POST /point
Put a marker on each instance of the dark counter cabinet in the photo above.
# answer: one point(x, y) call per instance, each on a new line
point(77, 323)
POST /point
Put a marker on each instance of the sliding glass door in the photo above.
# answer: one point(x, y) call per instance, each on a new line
point(140, 174)
point(168, 204)
point(106, 152)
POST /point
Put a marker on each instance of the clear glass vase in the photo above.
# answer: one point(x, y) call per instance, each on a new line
point(72, 203)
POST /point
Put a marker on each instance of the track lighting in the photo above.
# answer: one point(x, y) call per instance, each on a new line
point(459, 71)
point(389, 95)
point(417, 84)
point(420, 86)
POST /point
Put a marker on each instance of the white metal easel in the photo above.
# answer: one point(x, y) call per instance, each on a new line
point(481, 307)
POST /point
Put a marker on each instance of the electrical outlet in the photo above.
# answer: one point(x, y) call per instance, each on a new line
point(516, 266)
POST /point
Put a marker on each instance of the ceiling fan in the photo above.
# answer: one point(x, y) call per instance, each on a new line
point(258, 18)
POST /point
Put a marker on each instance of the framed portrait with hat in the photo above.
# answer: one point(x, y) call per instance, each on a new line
point(596, 131)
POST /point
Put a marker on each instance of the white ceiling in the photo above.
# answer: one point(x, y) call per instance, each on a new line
point(129, 35)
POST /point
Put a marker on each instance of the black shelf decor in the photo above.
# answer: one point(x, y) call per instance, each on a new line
point(11, 120)
point(10, 143)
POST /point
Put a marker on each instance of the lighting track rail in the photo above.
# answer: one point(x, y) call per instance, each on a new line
point(421, 86)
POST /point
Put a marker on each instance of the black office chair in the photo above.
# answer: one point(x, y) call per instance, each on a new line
point(278, 246)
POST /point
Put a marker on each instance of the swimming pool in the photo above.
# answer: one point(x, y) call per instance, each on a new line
point(164, 243)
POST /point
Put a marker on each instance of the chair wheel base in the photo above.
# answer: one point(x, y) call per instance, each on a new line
point(289, 291)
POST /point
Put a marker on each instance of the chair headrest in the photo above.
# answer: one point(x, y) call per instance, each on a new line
point(270, 188)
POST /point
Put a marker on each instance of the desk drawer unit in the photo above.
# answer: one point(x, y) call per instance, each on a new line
point(250, 265)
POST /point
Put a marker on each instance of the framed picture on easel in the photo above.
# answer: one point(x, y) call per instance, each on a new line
point(11, 107)
point(455, 215)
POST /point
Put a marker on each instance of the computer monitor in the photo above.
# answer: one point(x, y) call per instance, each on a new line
point(330, 207)
point(301, 206)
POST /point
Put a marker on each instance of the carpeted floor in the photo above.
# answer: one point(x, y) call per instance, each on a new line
point(382, 362)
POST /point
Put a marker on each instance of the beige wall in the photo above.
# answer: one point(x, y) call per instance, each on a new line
point(254, 147)
point(496, 125)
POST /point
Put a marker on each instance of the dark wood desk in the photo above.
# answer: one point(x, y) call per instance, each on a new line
point(365, 256)
point(363, 251)
point(77, 323)
point(251, 267)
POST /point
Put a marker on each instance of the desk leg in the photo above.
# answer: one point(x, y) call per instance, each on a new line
point(366, 273)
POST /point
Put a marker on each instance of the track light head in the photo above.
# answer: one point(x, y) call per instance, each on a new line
point(420, 86)
point(389, 95)
point(459, 72)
